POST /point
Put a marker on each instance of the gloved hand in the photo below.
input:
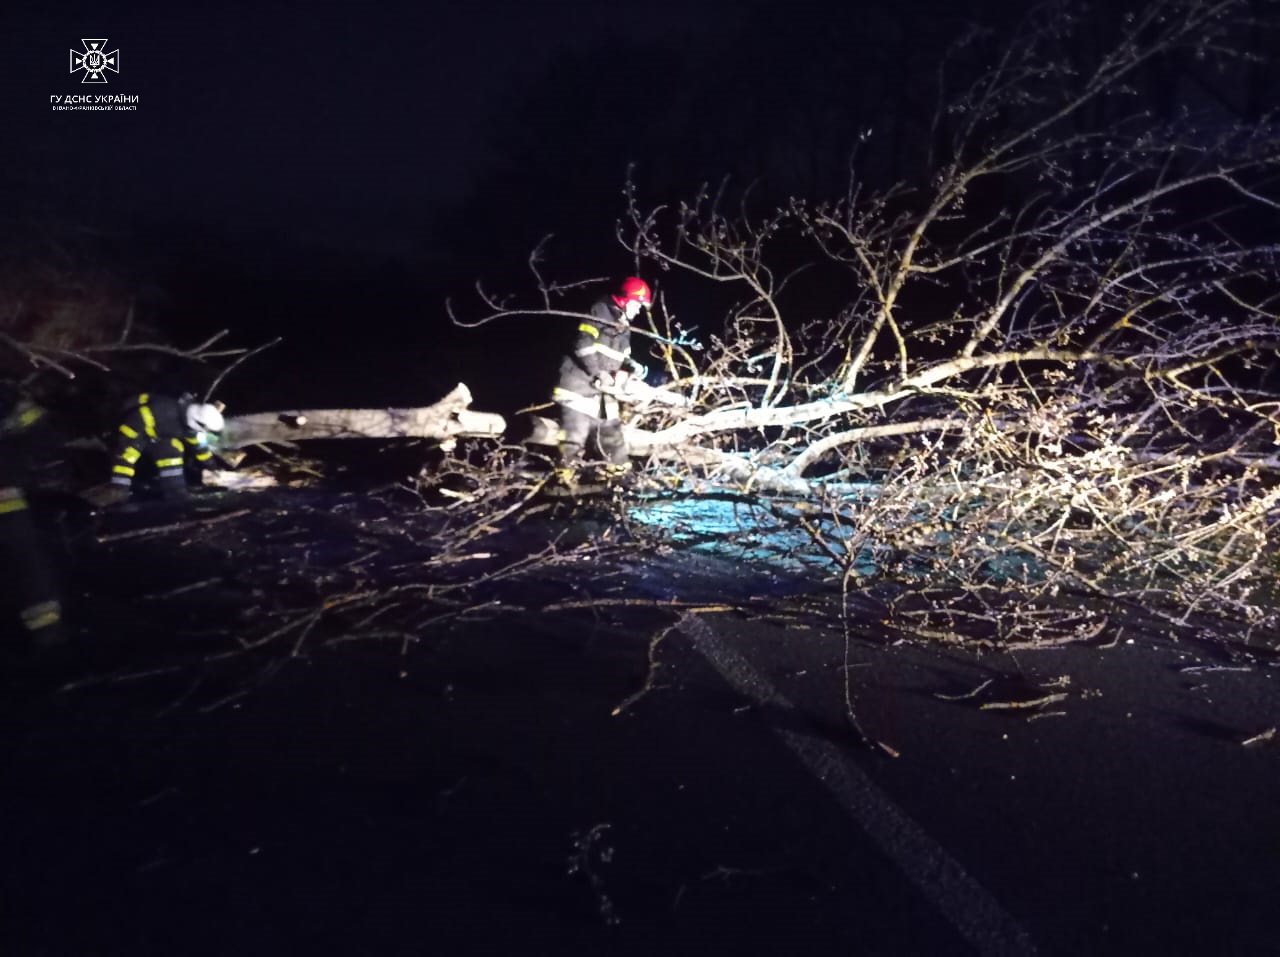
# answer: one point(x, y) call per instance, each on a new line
point(639, 370)
point(626, 384)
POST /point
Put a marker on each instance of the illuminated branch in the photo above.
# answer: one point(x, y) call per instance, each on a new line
point(1054, 359)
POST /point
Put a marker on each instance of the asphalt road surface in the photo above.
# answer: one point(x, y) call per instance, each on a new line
point(623, 781)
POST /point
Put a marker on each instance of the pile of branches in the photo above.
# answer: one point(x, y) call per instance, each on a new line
point(1033, 387)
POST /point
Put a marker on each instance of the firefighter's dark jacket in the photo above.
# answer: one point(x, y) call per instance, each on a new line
point(154, 426)
point(603, 345)
point(24, 435)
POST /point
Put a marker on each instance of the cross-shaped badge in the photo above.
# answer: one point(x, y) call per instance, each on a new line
point(94, 61)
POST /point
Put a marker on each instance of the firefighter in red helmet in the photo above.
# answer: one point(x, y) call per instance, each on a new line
point(593, 380)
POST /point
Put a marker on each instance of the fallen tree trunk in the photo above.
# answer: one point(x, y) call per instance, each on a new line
point(446, 420)
point(728, 467)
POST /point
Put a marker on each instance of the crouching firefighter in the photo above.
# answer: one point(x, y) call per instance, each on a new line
point(592, 378)
point(26, 573)
point(162, 445)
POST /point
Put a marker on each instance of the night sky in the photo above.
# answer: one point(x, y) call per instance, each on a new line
point(327, 122)
point(329, 174)
point(333, 174)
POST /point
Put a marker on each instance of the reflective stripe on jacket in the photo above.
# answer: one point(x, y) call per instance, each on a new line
point(603, 345)
point(12, 499)
point(41, 615)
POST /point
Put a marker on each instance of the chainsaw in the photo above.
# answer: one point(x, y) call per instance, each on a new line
point(636, 391)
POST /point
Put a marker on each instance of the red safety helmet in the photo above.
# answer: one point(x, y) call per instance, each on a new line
point(633, 288)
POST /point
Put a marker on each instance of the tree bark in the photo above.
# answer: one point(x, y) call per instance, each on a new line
point(448, 419)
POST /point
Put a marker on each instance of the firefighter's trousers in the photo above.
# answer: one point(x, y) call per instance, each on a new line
point(590, 424)
point(151, 466)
